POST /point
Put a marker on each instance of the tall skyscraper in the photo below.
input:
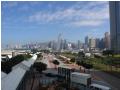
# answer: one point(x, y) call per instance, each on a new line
point(59, 42)
point(65, 44)
point(87, 41)
point(97, 43)
point(115, 25)
point(107, 40)
point(78, 44)
point(92, 43)
point(102, 43)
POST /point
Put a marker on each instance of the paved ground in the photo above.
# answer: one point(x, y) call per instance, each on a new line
point(48, 60)
point(113, 81)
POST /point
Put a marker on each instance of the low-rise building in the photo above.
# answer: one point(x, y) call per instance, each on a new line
point(81, 78)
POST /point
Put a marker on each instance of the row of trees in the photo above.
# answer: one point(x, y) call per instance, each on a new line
point(108, 52)
point(81, 60)
point(42, 66)
point(84, 64)
point(109, 60)
point(36, 50)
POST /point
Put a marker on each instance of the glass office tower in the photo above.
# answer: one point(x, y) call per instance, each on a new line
point(115, 25)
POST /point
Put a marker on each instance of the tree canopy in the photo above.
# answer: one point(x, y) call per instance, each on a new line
point(7, 65)
point(56, 62)
point(108, 52)
point(34, 50)
point(72, 60)
point(81, 54)
point(40, 66)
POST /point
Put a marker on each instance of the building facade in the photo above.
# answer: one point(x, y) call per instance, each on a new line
point(87, 41)
point(107, 40)
point(115, 25)
point(92, 43)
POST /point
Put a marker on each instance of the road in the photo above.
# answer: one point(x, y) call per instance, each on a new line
point(114, 82)
point(47, 59)
point(100, 77)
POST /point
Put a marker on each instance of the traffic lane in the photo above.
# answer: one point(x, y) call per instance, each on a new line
point(114, 82)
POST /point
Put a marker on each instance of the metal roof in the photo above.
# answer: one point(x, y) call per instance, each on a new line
point(26, 64)
point(3, 75)
point(12, 80)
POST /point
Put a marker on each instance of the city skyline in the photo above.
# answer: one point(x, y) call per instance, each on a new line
point(63, 44)
point(60, 45)
point(43, 21)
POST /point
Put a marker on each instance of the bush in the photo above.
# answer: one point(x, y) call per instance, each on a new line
point(86, 65)
point(7, 66)
point(56, 62)
point(27, 56)
point(40, 66)
point(108, 52)
point(81, 54)
point(72, 60)
point(39, 56)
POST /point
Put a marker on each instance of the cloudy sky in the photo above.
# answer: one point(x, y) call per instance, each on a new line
point(42, 21)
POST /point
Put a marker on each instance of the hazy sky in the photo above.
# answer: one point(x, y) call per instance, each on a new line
point(43, 21)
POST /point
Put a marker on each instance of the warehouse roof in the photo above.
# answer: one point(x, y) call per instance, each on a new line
point(3, 75)
point(13, 79)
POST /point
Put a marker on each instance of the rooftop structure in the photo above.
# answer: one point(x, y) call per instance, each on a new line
point(13, 79)
point(3, 75)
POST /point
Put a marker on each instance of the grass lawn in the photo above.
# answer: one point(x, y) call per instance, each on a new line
point(100, 64)
point(118, 55)
point(97, 64)
point(68, 55)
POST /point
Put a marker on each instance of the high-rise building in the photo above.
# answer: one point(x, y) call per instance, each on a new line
point(69, 46)
point(97, 43)
point(78, 44)
point(115, 25)
point(102, 44)
point(54, 47)
point(107, 40)
point(59, 42)
point(92, 43)
point(87, 41)
point(65, 44)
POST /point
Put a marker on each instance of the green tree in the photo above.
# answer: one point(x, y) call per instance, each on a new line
point(39, 56)
point(108, 52)
point(7, 66)
point(27, 56)
point(56, 62)
point(34, 50)
point(72, 60)
point(81, 54)
point(40, 66)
